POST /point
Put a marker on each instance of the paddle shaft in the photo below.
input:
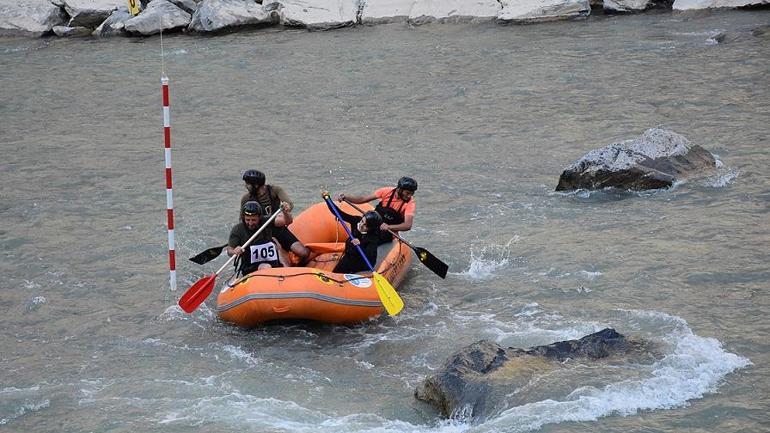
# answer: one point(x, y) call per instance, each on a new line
point(342, 223)
point(254, 236)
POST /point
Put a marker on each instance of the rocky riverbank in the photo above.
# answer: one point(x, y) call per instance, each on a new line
point(38, 18)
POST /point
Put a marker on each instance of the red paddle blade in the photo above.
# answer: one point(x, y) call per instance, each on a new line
point(195, 295)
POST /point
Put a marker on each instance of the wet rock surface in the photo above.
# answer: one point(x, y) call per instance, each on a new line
point(485, 378)
point(655, 160)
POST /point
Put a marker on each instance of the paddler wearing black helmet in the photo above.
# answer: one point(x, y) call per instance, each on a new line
point(262, 253)
point(396, 206)
point(270, 198)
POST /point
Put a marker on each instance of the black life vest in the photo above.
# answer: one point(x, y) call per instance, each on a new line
point(389, 215)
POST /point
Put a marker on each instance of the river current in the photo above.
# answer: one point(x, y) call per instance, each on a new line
point(485, 117)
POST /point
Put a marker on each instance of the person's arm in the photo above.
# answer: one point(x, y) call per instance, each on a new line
point(283, 197)
point(357, 199)
point(233, 244)
point(404, 226)
point(284, 218)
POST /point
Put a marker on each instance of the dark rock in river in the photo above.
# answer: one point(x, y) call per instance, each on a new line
point(480, 379)
point(655, 160)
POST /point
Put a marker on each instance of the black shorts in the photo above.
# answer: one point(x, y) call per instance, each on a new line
point(285, 237)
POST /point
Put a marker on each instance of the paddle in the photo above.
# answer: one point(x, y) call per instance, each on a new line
point(198, 292)
point(208, 255)
point(429, 260)
point(388, 296)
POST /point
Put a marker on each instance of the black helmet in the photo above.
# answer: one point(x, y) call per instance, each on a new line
point(407, 183)
point(254, 177)
point(373, 221)
point(251, 208)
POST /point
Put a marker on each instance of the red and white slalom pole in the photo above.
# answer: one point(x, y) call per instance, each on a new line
point(169, 189)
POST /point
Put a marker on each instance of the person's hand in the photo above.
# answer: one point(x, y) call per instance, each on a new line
point(237, 251)
point(285, 207)
point(355, 241)
point(341, 197)
point(384, 227)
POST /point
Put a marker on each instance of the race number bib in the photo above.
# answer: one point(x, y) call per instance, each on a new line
point(263, 253)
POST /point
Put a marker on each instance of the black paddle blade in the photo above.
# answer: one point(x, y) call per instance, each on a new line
point(432, 262)
point(208, 255)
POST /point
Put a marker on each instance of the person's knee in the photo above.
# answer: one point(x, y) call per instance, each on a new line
point(264, 266)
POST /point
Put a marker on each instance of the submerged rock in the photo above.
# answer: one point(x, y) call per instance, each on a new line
point(484, 378)
point(655, 160)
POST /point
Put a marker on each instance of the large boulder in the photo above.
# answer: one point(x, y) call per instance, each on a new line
point(683, 5)
point(655, 160)
point(114, 25)
point(530, 11)
point(383, 11)
point(485, 378)
point(215, 15)
point(29, 17)
point(315, 14)
point(159, 14)
point(90, 13)
point(627, 6)
point(454, 10)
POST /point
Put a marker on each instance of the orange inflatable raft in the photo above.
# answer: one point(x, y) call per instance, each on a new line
point(314, 292)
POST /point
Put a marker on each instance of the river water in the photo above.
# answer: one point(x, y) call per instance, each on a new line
point(485, 117)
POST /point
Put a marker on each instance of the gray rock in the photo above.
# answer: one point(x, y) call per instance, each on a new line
point(214, 15)
point(483, 378)
point(189, 6)
point(424, 11)
point(316, 14)
point(531, 11)
point(90, 13)
point(71, 32)
point(29, 17)
point(655, 160)
point(115, 24)
point(159, 13)
point(683, 5)
point(625, 6)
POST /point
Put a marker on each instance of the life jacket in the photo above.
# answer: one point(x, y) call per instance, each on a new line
point(261, 250)
point(273, 204)
point(389, 215)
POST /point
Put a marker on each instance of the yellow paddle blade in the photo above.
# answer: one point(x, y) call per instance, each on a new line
point(133, 7)
point(388, 296)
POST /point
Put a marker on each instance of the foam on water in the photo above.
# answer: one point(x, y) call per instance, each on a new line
point(484, 264)
point(694, 367)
